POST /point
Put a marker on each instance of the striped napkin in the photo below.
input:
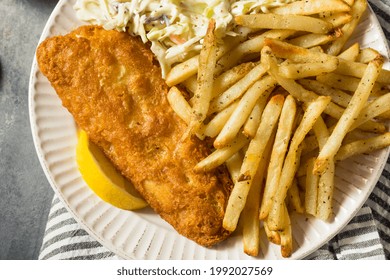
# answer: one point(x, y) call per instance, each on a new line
point(367, 236)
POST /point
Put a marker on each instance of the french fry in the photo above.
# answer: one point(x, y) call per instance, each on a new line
point(344, 82)
point(338, 96)
point(205, 80)
point(350, 115)
point(310, 144)
point(179, 104)
point(357, 10)
point(377, 107)
point(303, 70)
point(357, 69)
point(219, 156)
point(294, 53)
point(214, 127)
point(233, 164)
point(243, 110)
point(338, 19)
point(290, 166)
point(294, 199)
point(191, 84)
point(366, 55)
point(291, 22)
point(251, 162)
point(311, 189)
point(272, 235)
point(363, 146)
point(282, 139)
point(251, 222)
point(237, 90)
point(324, 205)
point(183, 71)
point(286, 244)
point(351, 53)
point(325, 192)
point(311, 40)
point(310, 7)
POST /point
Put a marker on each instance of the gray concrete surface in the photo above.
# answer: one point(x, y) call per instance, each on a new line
point(25, 194)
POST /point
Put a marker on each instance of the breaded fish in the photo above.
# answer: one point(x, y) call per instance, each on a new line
point(111, 84)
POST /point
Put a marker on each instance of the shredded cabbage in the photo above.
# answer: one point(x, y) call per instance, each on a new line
point(175, 28)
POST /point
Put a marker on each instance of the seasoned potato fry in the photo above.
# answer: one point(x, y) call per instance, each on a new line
point(233, 164)
point(311, 191)
point(324, 205)
point(291, 22)
point(220, 156)
point(294, 53)
point(366, 55)
point(325, 192)
point(286, 243)
point(190, 84)
point(251, 222)
point(214, 127)
point(179, 104)
point(357, 69)
point(351, 53)
point(311, 40)
point(282, 139)
point(338, 96)
point(363, 146)
point(358, 8)
point(183, 71)
point(377, 107)
point(272, 235)
point(344, 82)
point(338, 19)
point(243, 110)
point(294, 199)
point(205, 80)
point(311, 7)
point(251, 162)
point(303, 70)
point(349, 116)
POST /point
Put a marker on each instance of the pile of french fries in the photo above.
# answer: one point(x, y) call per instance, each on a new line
point(283, 106)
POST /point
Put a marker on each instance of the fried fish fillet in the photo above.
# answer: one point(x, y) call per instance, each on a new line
point(111, 84)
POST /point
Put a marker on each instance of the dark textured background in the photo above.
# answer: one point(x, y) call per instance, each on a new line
point(25, 194)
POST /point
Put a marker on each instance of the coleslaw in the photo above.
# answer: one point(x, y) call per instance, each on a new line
point(174, 28)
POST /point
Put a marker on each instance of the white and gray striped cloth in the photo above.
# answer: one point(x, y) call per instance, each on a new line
point(367, 236)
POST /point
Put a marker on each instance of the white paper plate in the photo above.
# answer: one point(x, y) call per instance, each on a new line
point(143, 234)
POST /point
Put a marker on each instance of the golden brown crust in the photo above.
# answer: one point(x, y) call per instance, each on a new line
point(112, 86)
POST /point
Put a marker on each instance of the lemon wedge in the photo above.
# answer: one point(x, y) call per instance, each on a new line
point(102, 177)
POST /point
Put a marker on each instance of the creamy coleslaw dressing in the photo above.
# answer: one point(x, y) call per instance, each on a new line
point(174, 28)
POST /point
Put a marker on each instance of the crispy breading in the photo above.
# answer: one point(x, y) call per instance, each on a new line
point(111, 84)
